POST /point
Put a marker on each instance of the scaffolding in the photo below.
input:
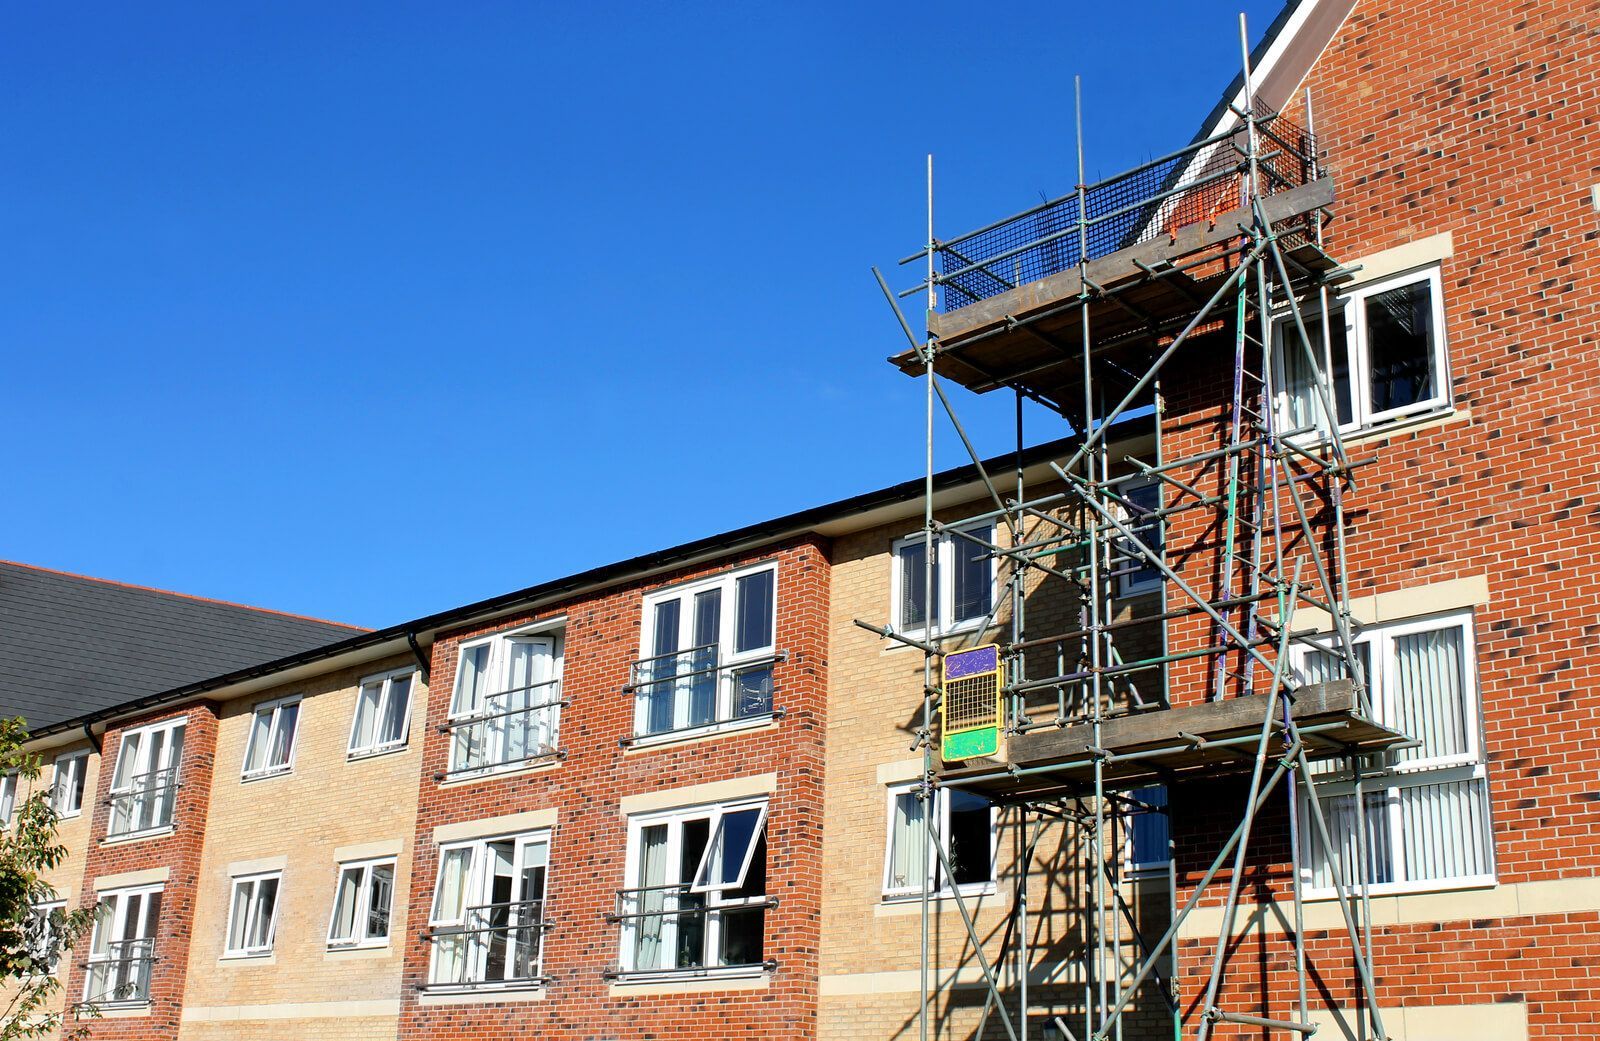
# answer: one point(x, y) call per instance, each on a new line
point(1102, 306)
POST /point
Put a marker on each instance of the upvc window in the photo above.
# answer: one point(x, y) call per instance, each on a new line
point(506, 707)
point(144, 781)
point(1427, 815)
point(964, 826)
point(41, 937)
point(122, 947)
point(707, 653)
point(487, 922)
point(1149, 831)
point(382, 720)
point(270, 747)
point(362, 899)
point(253, 915)
point(963, 581)
point(1384, 358)
point(66, 794)
point(8, 798)
point(696, 895)
point(1136, 576)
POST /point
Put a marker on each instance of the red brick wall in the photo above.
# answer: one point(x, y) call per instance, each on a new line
point(589, 844)
point(1482, 120)
point(178, 852)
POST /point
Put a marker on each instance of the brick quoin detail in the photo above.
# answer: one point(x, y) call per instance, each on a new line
point(589, 844)
point(178, 852)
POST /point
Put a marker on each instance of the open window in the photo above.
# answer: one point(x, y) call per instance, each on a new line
point(1382, 358)
point(964, 828)
point(696, 895)
point(488, 918)
point(122, 948)
point(505, 709)
point(144, 780)
point(253, 915)
point(66, 793)
point(382, 720)
point(362, 899)
point(270, 747)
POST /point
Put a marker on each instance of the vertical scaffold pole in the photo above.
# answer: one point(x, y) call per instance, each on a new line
point(929, 803)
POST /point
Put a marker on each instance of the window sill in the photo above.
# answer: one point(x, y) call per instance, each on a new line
point(138, 836)
point(493, 773)
point(115, 1010)
point(374, 753)
point(673, 981)
point(1387, 429)
point(890, 906)
point(482, 994)
point(645, 742)
point(940, 637)
point(358, 951)
point(1378, 889)
point(238, 960)
point(266, 775)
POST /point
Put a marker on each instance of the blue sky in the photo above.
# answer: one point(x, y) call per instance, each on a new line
point(367, 310)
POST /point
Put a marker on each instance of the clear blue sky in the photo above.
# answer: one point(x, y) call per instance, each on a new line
point(368, 310)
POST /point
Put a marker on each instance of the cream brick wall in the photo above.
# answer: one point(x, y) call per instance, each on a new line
point(303, 990)
point(870, 962)
point(73, 833)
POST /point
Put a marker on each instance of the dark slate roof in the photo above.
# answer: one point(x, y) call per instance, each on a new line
point(71, 645)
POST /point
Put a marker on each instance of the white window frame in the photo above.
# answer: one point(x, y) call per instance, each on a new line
point(1148, 579)
point(729, 660)
point(274, 708)
point(1470, 765)
point(944, 548)
point(145, 931)
point(477, 893)
point(380, 713)
point(499, 667)
point(667, 938)
point(252, 913)
point(360, 938)
point(10, 786)
point(1147, 868)
point(44, 909)
point(1349, 308)
point(142, 767)
point(76, 766)
point(935, 868)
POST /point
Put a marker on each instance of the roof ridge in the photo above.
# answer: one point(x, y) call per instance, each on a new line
point(185, 596)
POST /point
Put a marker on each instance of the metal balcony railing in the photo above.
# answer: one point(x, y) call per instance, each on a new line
point(146, 804)
point(120, 975)
point(666, 928)
point(514, 726)
point(694, 688)
point(1197, 182)
point(496, 945)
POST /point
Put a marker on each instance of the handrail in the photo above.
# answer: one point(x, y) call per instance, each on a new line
point(525, 942)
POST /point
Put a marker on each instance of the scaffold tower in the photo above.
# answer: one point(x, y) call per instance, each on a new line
point(1185, 301)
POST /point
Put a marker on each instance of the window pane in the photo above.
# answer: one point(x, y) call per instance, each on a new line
point(974, 592)
point(652, 871)
point(907, 843)
point(241, 915)
point(283, 734)
point(396, 711)
point(1302, 407)
point(345, 899)
point(1400, 346)
point(913, 586)
point(1134, 573)
point(261, 921)
point(1149, 829)
point(1426, 696)
point(701, 665)
point(971, 854)
point(364, 734)
point(1340, 813)
point(449, 901)
point(470, 678)
point(725, 862)
point(380, 892)
point(260, 731)
point(752, 692)
point(1445, 830)
point(755, 607)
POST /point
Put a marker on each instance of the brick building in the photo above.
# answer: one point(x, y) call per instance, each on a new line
point(695, 793)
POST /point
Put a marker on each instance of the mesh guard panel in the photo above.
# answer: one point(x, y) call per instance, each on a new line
point(970, 705)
